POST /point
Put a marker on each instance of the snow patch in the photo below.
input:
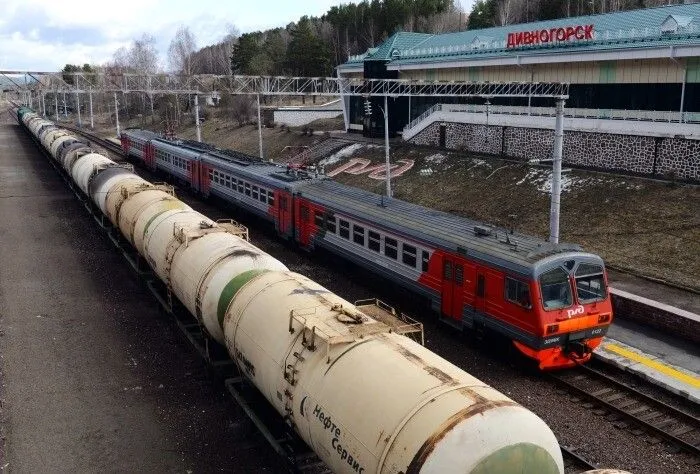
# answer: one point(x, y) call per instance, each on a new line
point(437, 158)
point(542, 180)
point(340, 154)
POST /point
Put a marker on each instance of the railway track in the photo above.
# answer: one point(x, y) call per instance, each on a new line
point(574, 462)
point(103, 142)
point(682, 430)
point(627, 407)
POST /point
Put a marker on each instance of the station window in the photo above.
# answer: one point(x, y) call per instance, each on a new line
point(318, 219)
point(330, 224)
point(256, 193)
point(358, 234)
point(518, 292)
point(247, 189)
point(391, 248)
point(425, 258)
point(344, 229)
point(408, 256)
point(373, 241)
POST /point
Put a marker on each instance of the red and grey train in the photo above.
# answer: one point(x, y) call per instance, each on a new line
point(552, 301)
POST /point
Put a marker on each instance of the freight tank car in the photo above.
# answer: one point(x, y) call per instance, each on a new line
point(364, 398)
point(550, 300)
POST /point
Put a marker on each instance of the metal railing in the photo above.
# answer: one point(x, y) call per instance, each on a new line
point(598, 114)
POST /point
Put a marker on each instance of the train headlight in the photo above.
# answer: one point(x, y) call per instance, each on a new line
point(552, 328)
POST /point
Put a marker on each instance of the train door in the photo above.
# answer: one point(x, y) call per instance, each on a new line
point(480, 296)
point(284, 222)
point(204, 178)
point(303, 225)
point(452, 287)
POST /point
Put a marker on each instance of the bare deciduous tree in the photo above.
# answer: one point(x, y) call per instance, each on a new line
point(241, 108)
point(509, 11)
point(181, 51)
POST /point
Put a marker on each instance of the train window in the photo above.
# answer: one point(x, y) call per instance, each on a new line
point(271, 199)
point(304, 214)
point(228, 181)
point(425, 258)
point(240, 186)
point(358, 234)
point(256, 193)
point(247, 189)
point(391, 248)
point(374, 241)
point(408, 256)
point(344, 229)
point(318, 219)
point(330, 224)
point(590, 283)
point(556, 289)
point(459, 274)
point(447, 270)
point(518, 292)
point(263, 195)
point(211, 175)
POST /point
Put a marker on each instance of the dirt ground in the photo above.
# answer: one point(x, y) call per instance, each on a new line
point(647, 227)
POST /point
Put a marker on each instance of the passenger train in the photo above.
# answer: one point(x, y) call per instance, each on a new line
point(552, 301)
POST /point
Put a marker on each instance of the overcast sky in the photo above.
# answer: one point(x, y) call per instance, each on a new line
point(46, 34)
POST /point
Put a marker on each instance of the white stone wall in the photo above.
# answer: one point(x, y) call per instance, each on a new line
point(299, 117)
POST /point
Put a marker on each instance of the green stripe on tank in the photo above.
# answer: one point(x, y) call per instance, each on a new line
point(231, 289)
point(521, 458)
point(150, 221)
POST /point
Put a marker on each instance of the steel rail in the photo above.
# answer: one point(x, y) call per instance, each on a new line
point(569, 454)
point(642, 409)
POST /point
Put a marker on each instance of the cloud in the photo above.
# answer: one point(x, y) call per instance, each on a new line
point(46, 35)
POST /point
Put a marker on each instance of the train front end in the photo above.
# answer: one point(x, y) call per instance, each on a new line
point(574, 308)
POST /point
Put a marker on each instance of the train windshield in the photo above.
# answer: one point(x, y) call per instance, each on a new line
point(590, 283)
point(556, 289)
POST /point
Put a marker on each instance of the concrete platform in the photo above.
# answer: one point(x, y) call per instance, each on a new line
point(93, 378)
point(666, 361)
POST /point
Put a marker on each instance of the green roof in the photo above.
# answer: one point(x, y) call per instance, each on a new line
point(612, 31)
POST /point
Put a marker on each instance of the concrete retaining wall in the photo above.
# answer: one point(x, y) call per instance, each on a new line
point(299, 117)
point(674, 321)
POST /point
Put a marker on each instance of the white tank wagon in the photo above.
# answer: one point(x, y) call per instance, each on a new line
point(368, 400)
point(365, 399)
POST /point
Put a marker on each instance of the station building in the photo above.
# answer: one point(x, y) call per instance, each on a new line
point(644, 62)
